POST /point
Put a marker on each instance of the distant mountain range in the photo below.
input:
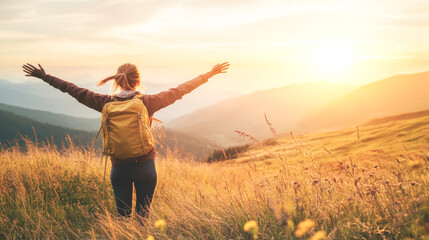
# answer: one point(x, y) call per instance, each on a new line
point(394, 95)
point(303, 108)
point(41, 96)
point(284, 107)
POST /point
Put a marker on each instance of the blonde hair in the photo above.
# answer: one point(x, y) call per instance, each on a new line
point(126, 78)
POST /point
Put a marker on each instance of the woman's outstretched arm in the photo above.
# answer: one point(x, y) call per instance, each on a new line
point(161, 100)
point(90, 99)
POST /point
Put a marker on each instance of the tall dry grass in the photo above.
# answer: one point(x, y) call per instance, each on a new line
point(60, 194)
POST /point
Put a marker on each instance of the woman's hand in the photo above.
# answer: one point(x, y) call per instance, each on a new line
point(32, 71)
point(220, 68)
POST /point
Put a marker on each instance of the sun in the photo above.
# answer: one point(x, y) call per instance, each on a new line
point(333, 57)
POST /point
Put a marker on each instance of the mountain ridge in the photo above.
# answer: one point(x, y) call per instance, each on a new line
point(56, 119)
point(394, 95)
point(246, 112)
point(13, 127)
point(329, 110)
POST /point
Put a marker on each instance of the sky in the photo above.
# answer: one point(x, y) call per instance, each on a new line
point(268, 43)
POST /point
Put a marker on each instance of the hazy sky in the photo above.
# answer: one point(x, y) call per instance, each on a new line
point(269, 43)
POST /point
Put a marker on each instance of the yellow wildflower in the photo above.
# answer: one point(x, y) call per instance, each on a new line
point(319, 235)
point(252, 227)
point(304, 227)
point(160, 225)
point(150, 237)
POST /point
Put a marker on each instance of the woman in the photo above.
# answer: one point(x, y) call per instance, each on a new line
point(141, 172)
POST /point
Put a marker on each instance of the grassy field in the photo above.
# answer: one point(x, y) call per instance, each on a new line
point(369, 182)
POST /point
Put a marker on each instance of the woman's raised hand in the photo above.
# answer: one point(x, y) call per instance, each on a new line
point(32, 71)
point(220, 68)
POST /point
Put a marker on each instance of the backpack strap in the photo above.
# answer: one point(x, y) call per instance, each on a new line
point(102, 123)
point(96, 138)
point(139, 95)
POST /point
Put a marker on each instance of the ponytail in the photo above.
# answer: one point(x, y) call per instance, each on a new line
point(127, 78)
point(104, 81)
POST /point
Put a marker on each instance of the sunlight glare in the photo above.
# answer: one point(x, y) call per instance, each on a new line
point(333, 57)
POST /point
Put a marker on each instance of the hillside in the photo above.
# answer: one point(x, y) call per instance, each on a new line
point(283, 107)
point(382, 137)
point(12, 126)
point(399, 117)
point(62, 120)
point(394, 95)
point(195, 145)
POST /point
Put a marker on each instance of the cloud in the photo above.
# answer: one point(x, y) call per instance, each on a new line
point(74, 19)
point(82, 31)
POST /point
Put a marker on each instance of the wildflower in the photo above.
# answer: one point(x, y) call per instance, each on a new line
point(150, 237)
point(319, 235)
point(252, 227)
point(160, 225)
point(304, 227)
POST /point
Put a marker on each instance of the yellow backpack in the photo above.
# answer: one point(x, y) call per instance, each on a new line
point(125, 129)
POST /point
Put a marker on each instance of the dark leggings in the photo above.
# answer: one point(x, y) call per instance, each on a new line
point(144, 177)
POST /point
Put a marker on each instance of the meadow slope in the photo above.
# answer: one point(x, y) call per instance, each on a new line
point(369, 182)
point(382, 137)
